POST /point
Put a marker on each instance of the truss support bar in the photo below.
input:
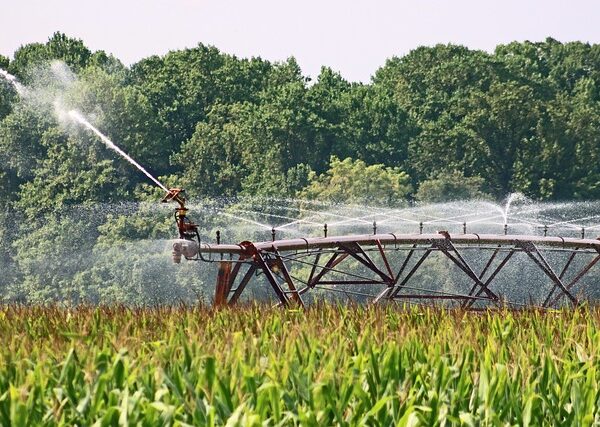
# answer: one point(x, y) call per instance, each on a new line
point(264, 266)
point(489, 263)
point(314, 266)
point(429, 296)
point(492, 276)
point(335, 259)
point(582, 273)
point(352, 282)
point(244, 282)
point(390, 274)
point(288, 279)
point(396, 288)
point(560, 276)
point(354, 250)
point(532, 251)
point(445, 247)
point(386, 293)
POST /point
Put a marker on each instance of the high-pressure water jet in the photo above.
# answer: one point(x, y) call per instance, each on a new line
point(14, 82)
point(188, 231)
point(78, 117)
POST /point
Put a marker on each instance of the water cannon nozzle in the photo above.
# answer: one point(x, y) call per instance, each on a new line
point(176, 195)
point(187, 229)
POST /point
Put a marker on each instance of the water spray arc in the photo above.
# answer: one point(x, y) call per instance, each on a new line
point(14, 82)
point(188, 231)
point(77, 117)
point(189, 237)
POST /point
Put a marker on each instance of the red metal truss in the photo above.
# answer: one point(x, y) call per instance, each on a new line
point(385, 268)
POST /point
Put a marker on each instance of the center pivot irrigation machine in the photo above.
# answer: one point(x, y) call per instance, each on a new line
point(476, 270)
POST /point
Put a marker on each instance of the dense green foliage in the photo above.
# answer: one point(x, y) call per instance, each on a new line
point(349, 181)
point(326, 366)
point(440, 123)
point(450, 186)
point(525, 118)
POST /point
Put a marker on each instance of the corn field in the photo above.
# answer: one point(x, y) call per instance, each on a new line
point(329, 365)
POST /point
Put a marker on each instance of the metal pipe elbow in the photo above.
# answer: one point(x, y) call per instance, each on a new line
point(185, 248)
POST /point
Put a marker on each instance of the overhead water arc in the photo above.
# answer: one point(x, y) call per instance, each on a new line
point(76, 116)
point(21, 90)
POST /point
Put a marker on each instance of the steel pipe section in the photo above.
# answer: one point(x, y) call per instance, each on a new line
point(398, 239)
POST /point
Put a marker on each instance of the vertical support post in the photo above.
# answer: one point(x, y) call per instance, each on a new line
point(223, 283)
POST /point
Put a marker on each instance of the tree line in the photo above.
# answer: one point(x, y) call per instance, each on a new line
point(442, 122)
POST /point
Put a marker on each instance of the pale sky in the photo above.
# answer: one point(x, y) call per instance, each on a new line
point(352, 37)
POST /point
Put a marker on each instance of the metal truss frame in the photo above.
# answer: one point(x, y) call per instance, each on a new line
point(364, 267)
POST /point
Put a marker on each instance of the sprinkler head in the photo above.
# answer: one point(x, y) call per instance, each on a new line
point(187, 229)
point(175, 194)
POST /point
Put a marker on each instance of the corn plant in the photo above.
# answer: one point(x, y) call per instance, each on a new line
point(328, 365)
